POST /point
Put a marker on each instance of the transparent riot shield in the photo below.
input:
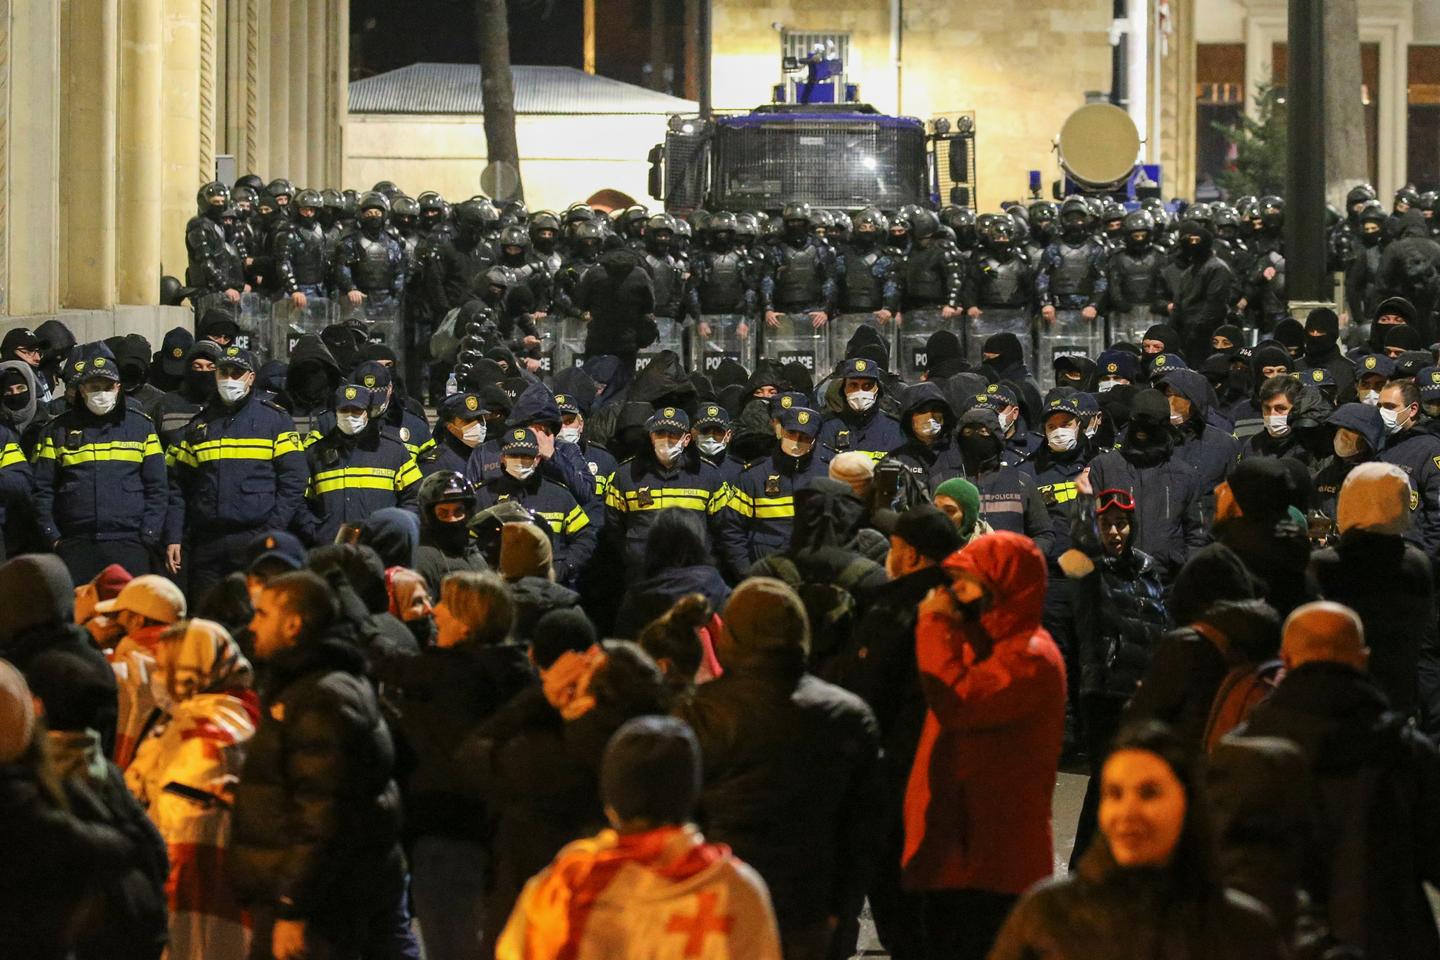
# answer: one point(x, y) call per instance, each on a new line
point(993, 320)
point(566, 342)
point(717, 337)
point(1071, 335)
point(672, 338)
point(843, 327)
point(795, 339)
point(251, 314)
point(916, 328)
point(1130, 326)
point(288, 323)
point(381, 321)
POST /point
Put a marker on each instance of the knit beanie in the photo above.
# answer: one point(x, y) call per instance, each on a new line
point(17, 714)
point(525, 551)
point(966, 494)
point(1263, 489)
point(35, 589)
point(929, 531)
point(558, 632)
point(1375, 497)
point(852, 467)
point(765, 615)
point(651, 770)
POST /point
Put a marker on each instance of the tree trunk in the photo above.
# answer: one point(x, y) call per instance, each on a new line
point(1346, 154)
point(497, 86)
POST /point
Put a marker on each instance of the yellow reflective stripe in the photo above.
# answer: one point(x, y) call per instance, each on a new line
point(773, 508)
point(409, 475)
point(354, 478)
point(575, 521)
point(719, 498)
point(124, 451)
point(10, 455)
point(555, 518)
point(628, 501)
point(181, 453)
point(152, 446)
point(288, 442)
point(311, 437)
point(741, 502)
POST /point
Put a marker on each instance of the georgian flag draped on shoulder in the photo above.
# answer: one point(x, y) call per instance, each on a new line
point(660, 895)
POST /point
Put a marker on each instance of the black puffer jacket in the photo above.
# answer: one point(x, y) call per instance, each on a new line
point(1119, 620)
point(54, 861)
point(1102, 912)
point(317, 813)
point(1167, 500)
point(618, 295)
point(441, 694)
point(791, 784)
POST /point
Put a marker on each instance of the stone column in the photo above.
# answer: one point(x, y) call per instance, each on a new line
point(299, 95)
point(180, 108)
point(209, 88)
point(338, 85)
point(277, 100)
point(139, 153)
point(1177, 102)
point(89, 54)
point(32, 216)
point(317, 87)
point(257, 87)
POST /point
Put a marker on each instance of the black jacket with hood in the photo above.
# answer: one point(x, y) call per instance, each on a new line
point(618, 295)
point(1207, 448)
point(938, 460)
point(310, 384)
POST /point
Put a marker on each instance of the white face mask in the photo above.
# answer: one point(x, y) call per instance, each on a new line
point(927, 428)
point(1091, 431)
point(1007, 420)
point(1346, 446)
point(667, 453)
point(861, 400)
point(1392, 420)
point(1277, 424)
point(474, 433)
point(1106, 385)
point(1176, 419)
point(1371, 397)
point(569, 435)
point(102, 403)
point(519, 469)
point(1062, 438)
point(351, 423)
point(795, 448)
point(711, 447)
point(232, 391)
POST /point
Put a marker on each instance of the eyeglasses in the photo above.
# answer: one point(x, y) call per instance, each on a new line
point(1114, 499)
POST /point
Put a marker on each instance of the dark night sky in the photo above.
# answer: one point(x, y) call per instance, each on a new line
point(394, 33)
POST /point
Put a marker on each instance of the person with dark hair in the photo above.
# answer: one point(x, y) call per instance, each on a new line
point(1417, 452)
point(673, 640)
point(1279, 400)
point(1009, 499)
point(791, 767)
point(676, 564)
point(472, 671)
point(1149, 878)
point(315, 852)
point(649, 782)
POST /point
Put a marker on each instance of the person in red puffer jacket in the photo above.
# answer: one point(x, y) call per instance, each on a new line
point(977, 808)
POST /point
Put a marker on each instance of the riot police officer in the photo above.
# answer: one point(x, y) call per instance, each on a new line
point(1071, 284)
point(451, 279)
point(931, 272)
point(803, 277)
point(723, 277)
point(667, 271)
point(1000, 289)
point(871, 282)
point(1133, 292)
point(589, 240)
point(215, 262)
point(299, 251)
point(100, 491)
point(370, 264)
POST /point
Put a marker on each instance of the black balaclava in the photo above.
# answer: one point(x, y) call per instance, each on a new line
point(1148, 437)
point(17, 402)
point(1196, 242)
point(1291, 336)
point(452, 538)
point(1007, 348)
point(1234, 334)
point(1404, 336)
point(1322, 333)
point(980, 453)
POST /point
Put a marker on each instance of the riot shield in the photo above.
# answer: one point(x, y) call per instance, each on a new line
point(1130, 326)
point(993, 320)
point(796, 340)
point(381, 321)
point(843, 327)
point(251, 314)
point(288, 323)
point(916, 328)
point(1070, 335)
point(671, 338)
point(721, 341)
point(566, 342)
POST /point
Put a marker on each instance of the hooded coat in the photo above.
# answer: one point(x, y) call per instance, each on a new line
point(1330, 477)
point(977, 809)
point(1201, 295)
point(1207, 448)
point(310, 383)
point(618, 295)
point(939, 459)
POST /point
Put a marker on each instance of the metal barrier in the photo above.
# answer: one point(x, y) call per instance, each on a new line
point(721, 341)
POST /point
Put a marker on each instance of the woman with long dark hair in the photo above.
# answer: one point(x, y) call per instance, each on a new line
point(1147, 886)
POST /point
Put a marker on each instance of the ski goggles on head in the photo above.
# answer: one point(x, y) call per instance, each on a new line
point(1114, 500)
